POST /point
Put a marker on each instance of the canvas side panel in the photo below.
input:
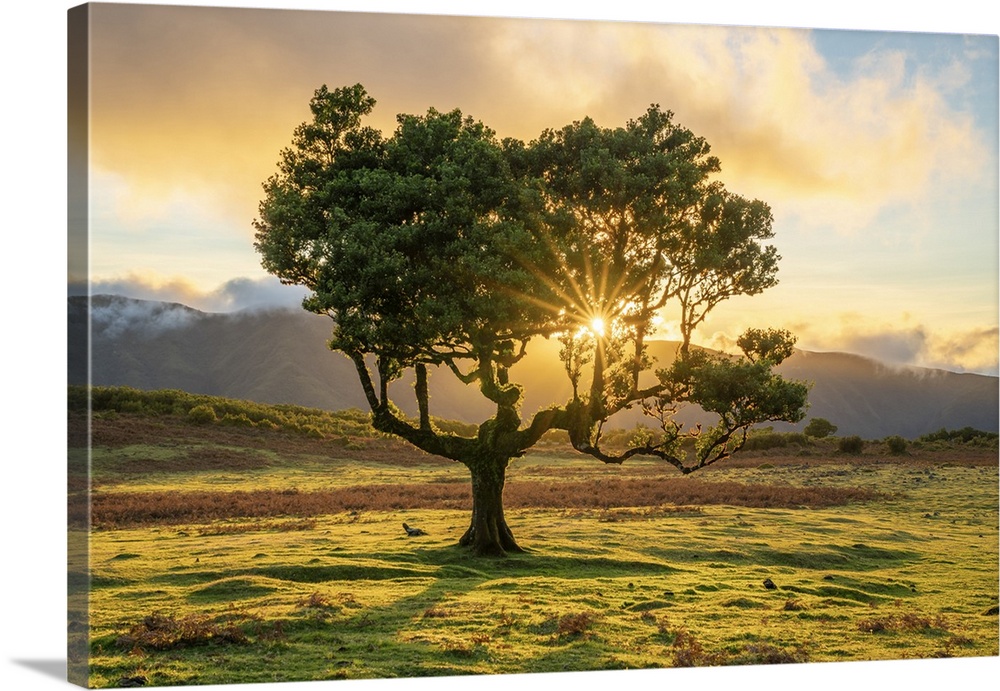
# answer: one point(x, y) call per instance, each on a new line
point(78, 348)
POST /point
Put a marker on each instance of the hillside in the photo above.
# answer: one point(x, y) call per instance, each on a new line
point(280, 356)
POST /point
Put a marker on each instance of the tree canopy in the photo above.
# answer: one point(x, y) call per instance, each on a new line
point(444, 248)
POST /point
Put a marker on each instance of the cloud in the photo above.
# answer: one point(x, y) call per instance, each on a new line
point(264, 293)
point(974, 351)
point(838, 148)
point(206, 106)
point(237, 294)
point(118, 316)
point(971, 350)
point(907, 340)
point(907, 347)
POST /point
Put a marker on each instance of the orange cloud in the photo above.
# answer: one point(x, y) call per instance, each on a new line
point(202, 99)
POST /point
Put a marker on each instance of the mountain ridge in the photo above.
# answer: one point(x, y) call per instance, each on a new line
point(279, 355)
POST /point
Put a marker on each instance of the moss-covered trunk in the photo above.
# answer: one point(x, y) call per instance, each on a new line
point(488, 532)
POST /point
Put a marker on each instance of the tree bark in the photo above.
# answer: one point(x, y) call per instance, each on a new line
point(488, 533)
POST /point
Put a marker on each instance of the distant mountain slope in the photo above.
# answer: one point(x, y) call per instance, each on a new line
point(862, 396)
point(280, 356)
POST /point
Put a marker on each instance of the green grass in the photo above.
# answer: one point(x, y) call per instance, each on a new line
point(393, 606)
point(910, 573)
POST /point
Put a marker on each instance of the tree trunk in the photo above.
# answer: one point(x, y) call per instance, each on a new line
point(488, 533)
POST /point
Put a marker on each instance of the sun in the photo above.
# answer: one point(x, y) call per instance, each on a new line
point(597, 326)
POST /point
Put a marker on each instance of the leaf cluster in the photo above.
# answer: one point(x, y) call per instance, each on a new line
point(442, 245)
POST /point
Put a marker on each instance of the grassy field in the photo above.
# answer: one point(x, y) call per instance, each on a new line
point(256, 553)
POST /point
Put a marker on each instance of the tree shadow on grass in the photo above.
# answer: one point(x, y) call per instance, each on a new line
point(448, 563)
point(857, 557)
point(417, 619)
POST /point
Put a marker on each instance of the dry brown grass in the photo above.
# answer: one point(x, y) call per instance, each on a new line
point(123, 509)
point(907, 621)
point(574, 625)
point(161, 632)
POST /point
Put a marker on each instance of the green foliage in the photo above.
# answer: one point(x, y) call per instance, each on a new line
point(966, 435)
point(767, 438)
point(442, 245)
point(820, 428)
point(896, 444)
point(852, 445)
point(405, 240)
point(742, 392)
point(202, 414)
point(772, 345)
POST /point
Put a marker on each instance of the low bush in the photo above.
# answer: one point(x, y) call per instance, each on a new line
point(202, 415)
point(907, 621)
point(204, 410)
point(896, 444)
point(574, 624)
point(687, 651)
point(966, 435)
point(766, 654)
point(767, 438)
point(160, 632)
point(317, 600)
point(853, 445)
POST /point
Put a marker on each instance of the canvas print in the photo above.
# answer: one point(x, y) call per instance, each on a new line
point(413, 345)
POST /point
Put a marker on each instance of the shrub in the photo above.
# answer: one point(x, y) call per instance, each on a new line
point(240, 420)
point(689, 652)
point(160, 632)
point(317, 600)
point(819, 428)
point(574, 624)
point(852, 445)
point(907, 621)
point(767, 438)
point(463, 429)
point(896, 444)
point(766, 654)
point(202, 415)
point(966, 435)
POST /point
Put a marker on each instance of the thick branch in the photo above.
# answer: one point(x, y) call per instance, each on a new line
point(544, 420)
point(464, 378)
point(422, 396)
point(366, 379)
point(385, 420)
point(646, 450)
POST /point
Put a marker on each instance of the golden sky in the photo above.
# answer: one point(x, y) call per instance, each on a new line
point(876, 151)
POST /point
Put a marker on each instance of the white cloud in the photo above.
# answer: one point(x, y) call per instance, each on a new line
point(232, 296)
point(911, 345)
point(118, 316)
point(820, 146)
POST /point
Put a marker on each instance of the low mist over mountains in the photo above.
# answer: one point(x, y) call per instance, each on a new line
point(280, 356)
